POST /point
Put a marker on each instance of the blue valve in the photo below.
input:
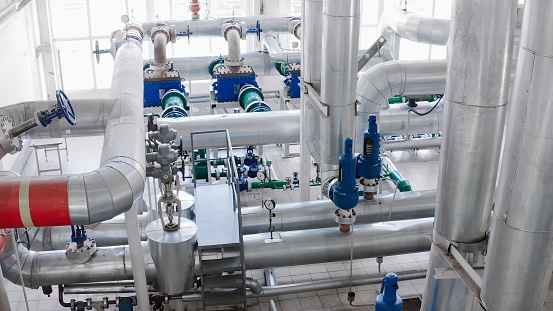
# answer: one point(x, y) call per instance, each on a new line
point(345, 192)
point(63, 108)
point(389, 300)
point(369, 162)
point(242, 180)
point(78, 234)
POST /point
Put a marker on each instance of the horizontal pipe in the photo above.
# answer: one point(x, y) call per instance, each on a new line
point(295, 248)
point(280, 127)
point(414, 143)
point(92, 114)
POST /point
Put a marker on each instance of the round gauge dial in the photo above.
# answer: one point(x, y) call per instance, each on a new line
point(261, 175)
point(269, 204)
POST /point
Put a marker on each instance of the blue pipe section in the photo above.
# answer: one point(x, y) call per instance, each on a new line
point(345, 192)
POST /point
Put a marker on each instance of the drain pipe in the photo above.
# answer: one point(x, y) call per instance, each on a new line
point(341, 22)
point(471, 144)
point(103, 193)
point(521, 233)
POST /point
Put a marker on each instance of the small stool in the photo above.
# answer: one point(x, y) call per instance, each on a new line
point(49, 145)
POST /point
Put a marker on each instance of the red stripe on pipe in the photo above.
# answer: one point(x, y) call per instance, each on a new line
point(9, 204)
point(48, 202)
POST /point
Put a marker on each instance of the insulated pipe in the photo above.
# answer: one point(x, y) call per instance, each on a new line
point(340, 43)
point(277, 53)
point(410, 26)
point(522, 232)
point(232, 34)
point(296, 247)
point(288, 217)
point(311, 53)
point(279, 127)
point(212, 27)
point(103, 193)
point(415, 143)
point(396, 78)
point(4, 301)
point(93, 117)
point(477, 90)
point(137, 258)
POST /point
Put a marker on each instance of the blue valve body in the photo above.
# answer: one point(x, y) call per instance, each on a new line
point(369, 162)
point(389, 300)
point(345, 192)
point(78, 234)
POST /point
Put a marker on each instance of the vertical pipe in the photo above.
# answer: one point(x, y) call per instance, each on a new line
point(4, 302)
point(521, 239)
point(341, 22)
point(137, 258)
point(312, 13)
point(160, 40)
point(480, 51)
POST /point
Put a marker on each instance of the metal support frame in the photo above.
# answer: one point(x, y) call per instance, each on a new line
point(315, 97)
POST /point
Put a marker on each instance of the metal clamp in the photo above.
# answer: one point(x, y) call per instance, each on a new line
point(319, 106)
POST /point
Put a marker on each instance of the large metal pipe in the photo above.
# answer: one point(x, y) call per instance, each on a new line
point(410, 26)
point(388, 79)
point(341, 24)
point(522, 233)
point(277, 53)
point(279, 127)
point(477, 90)
point(311, 54)
point(294, 248)
point(92, 115)
point(103, 193)
point(212, 27)
point(160, 40)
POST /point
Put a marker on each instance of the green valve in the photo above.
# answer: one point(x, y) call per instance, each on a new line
point(395, 100)
point(251, 99)
point(281, 68)
point(216, 63)
point(173, 104)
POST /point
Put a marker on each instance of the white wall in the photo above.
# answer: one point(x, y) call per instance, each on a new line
point(20, 75)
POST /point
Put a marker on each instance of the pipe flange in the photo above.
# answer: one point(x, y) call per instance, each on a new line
point(160, 30)
point(345, 217)
point(10, 144)
point(234, 62)
point(228, 27)
point(135, 28)
point(80, 255)
point(293, 25)
point(158, 68)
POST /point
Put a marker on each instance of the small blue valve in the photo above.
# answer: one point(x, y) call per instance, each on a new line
point(369, 162)
point(389, 300)
point(345, 192)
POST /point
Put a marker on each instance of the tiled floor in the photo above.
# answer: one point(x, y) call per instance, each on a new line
point(419, 168)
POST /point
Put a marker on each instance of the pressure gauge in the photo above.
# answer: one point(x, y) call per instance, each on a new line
point(261, 175)
point(125, 18)
point(269, 204)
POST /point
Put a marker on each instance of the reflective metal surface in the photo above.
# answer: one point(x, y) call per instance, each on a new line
point(172, 250)
point(277, 53)
point(521, 233)
point(340, 45)
point(480, 52)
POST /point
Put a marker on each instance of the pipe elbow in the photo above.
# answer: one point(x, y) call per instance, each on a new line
point(255, 287)
point(377, 85)
point(10, 269)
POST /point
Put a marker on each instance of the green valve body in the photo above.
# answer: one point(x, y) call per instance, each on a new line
point(173, 104)
point(251, 99)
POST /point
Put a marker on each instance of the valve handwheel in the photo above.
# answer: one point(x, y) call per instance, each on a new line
point(65, 107)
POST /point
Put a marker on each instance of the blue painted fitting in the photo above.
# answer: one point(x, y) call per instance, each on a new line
point(369, 163)
point(249, 158)
point(153, 90)
point(389, 300)
point(293, 83)
point(78, 234)
point(126, 304)
point(242, 180)
point(227, 87)
point(345, 193)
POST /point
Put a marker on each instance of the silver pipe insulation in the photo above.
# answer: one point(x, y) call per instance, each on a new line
point(410, 26)
point(521, 231)
point(414, 143)
point(277, 53)
point(103, 193)
point(289, 217)
point(212, 27)
point(388, 79)
point(4, 301)
point(340, 46)
point(279, 127)
point(294, 248)
point(92, 116)
point(476, 95)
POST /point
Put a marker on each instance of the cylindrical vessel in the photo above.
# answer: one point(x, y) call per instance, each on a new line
point(251, 99)
point(518, 263)
point(171, 251)
point(341, 22)
point(173, 104)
